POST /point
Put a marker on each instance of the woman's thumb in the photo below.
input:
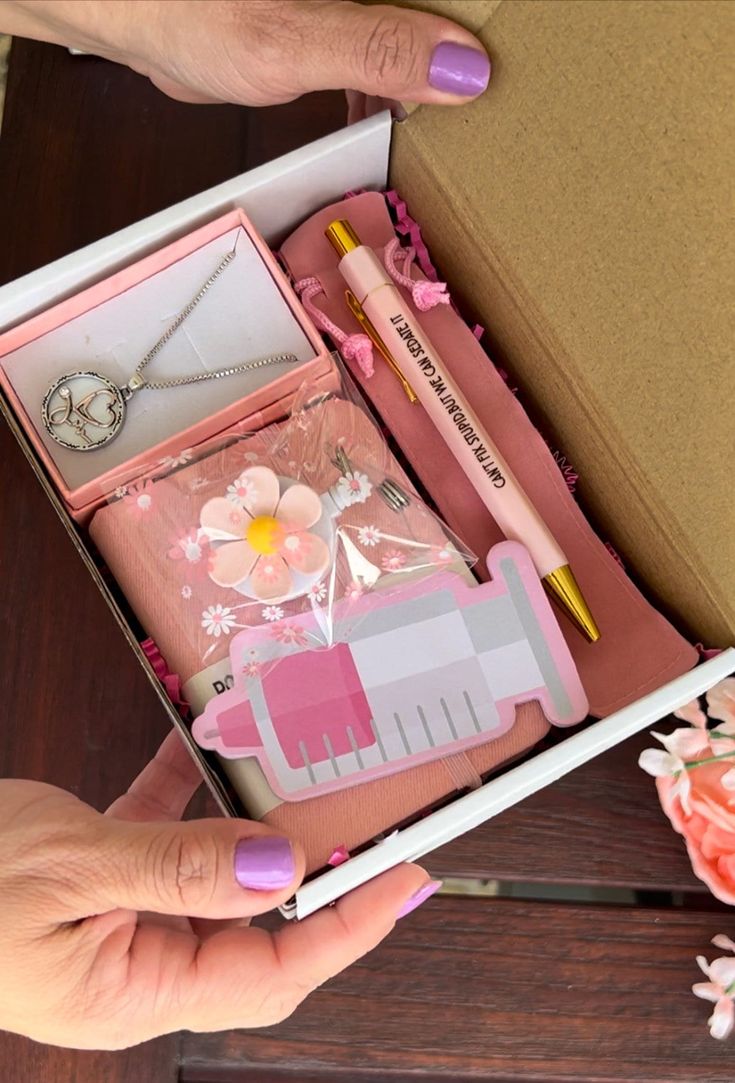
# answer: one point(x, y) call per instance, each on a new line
point(393, 53)
point(199, 868)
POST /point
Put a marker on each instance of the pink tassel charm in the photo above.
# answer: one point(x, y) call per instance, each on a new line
point(425, 294)
point(359, 348)
point(356, 347)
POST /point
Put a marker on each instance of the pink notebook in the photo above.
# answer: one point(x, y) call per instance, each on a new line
point(170, 596)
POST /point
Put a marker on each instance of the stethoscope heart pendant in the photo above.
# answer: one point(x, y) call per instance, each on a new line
point(83, 411)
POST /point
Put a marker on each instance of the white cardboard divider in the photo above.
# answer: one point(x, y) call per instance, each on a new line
point(509, 788)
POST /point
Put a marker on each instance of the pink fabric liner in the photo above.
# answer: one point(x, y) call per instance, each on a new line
point(406, 226)
point(639, 650)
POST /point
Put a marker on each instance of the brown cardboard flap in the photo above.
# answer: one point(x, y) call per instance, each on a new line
point(583, 208)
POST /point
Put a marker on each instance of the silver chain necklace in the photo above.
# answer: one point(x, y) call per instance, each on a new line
point(83, 411)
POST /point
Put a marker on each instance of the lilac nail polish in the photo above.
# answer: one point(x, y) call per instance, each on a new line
point(424, 892)
point(265, 863)
point(459, 69)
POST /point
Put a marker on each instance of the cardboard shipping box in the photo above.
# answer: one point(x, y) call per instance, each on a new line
point(581, 211)
point(584, 210)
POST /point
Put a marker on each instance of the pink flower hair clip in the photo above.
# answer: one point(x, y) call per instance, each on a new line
point(272, 538)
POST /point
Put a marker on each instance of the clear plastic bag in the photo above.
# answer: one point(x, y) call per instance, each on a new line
point(287, 527)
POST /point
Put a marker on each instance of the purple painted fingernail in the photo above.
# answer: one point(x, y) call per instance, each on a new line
point(424, 892)
point(459, 69)
point(265, 863)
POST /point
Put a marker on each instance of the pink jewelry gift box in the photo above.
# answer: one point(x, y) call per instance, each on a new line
point(251, 411)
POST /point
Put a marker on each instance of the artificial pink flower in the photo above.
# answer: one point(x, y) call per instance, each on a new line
point(265, 536)
point(707, 823)
point(695, 779)
point(720, 989)
point(251, 669)
point(393, 561)
point(693, 714)
point(721, 703)
point(721, 707)
point(684, 744)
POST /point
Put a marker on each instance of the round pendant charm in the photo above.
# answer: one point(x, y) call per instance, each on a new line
point(83, 411)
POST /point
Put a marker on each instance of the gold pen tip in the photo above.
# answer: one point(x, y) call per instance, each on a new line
point(342, 237)
point(564, 587)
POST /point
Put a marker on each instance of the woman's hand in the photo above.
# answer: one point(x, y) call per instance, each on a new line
point(108, 936)
point(259, 52)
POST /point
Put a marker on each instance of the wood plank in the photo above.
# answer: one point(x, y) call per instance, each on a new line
point(464, 989)
point(501, 990)
point(601, 824)
point(90, 146)
point(23, 1061)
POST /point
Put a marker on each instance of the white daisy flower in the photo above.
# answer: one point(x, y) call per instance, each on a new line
point(317, 592)
point(273, 612)
point(354, 488)
point(121, 491)
point(368, 535)
point(186, 592)
point(192, 549)
point(393, 561)
point(172, 461)
point(218, 620)
point(251, 457)
point(242, 491)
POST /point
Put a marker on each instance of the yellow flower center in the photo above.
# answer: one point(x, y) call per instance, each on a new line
point(265, 535)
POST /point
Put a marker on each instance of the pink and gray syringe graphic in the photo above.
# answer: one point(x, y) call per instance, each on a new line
point(429, 670)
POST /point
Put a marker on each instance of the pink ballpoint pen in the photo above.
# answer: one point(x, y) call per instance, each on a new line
point(399, 333)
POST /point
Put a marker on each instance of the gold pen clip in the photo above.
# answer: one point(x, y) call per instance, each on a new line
point(358, 312)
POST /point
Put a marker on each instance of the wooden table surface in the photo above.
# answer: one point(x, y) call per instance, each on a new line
point(467, 988)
